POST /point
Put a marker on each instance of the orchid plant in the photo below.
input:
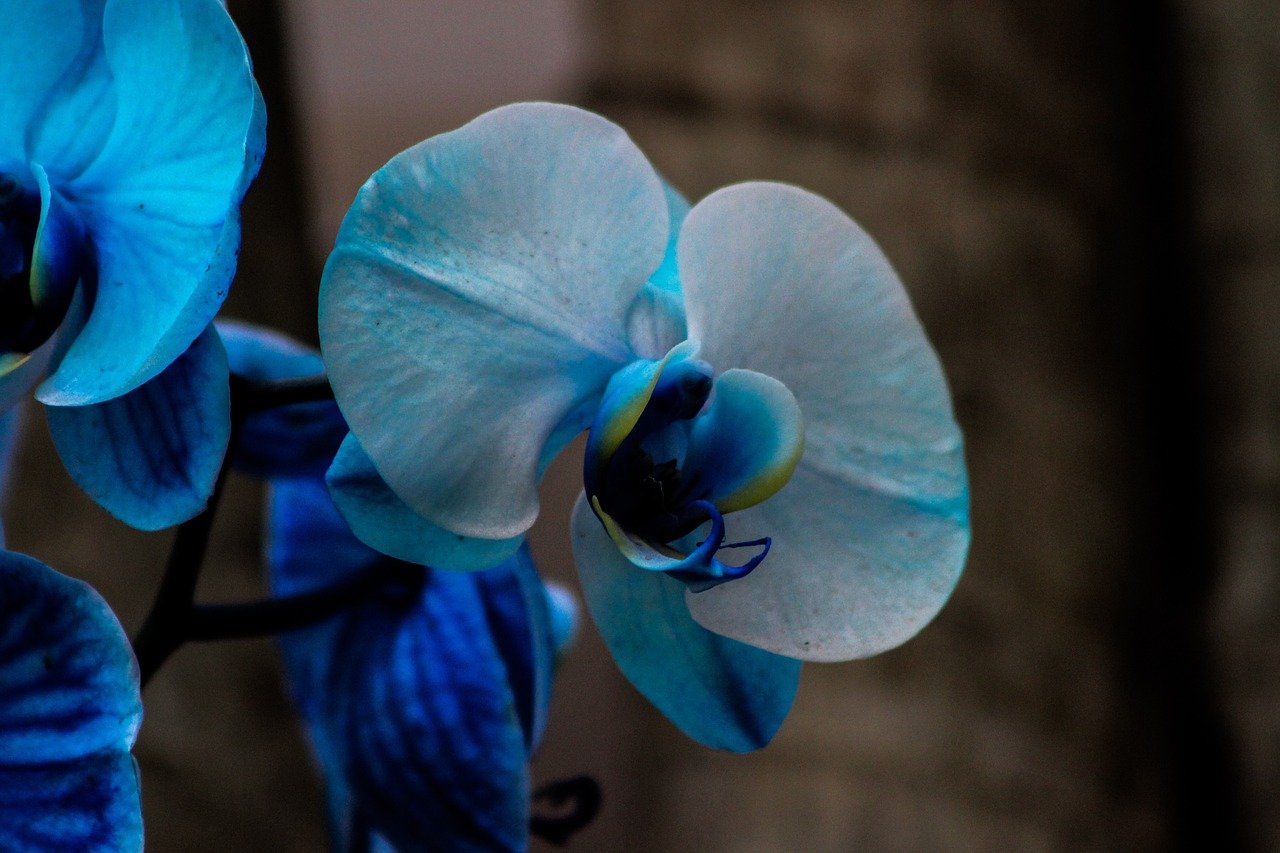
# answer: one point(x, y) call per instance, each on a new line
point(772, 471)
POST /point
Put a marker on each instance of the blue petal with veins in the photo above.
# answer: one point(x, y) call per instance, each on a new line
point(69, 714)
point(425, 700)
point(151, 458)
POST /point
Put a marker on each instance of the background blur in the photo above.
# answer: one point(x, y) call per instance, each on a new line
point(1084, 203)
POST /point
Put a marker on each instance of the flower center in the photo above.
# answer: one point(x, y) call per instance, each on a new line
point(644, 485)
point(673, 448)
point(40, 252)
point(19, 221)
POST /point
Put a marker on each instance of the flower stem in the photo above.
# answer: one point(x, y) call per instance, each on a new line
point(207, 622)
point(174, 613)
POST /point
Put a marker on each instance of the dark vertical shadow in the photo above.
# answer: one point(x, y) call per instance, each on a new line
point(278, 279)
point(1165, 632)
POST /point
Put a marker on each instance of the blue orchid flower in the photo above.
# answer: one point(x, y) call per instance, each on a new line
point(773, 472)
point(129, 132)
point(425, 700)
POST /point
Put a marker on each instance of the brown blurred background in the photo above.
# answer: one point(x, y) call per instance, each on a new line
point(1084, 202)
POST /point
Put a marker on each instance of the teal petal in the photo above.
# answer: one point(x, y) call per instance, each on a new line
point(385, 523)
point(720, 692)
point(159, 200)
point(870, 535)
point(80, 110)
point(151, 458)
point(476, 303)
point(42, 45)
point(667, 276)
point(69, 714)
point(19, 376)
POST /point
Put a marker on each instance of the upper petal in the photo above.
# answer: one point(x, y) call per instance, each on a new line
point(477, 300)
point(160, 199)
point(871, 533)
point(42, 46)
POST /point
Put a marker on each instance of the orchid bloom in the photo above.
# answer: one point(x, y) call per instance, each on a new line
point(129, 132)
point(773, 472)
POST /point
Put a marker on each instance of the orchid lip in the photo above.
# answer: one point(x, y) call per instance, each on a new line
point(673, 448)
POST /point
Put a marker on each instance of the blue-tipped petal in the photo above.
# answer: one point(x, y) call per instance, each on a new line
point(623, 402)
point(151, 458)
point(69, 713)
point(477, 298)
point(160, 199)
point(383, 521)
point(284, 441)
point(720, 692)
point(870, 535)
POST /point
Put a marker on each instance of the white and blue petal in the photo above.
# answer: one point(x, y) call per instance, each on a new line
point(655, 322)
point(294, 440)
point(720, 692)
point(151, 458)
point(159, 199)
point(70, 708)
point(870, 535)
point(476, 304)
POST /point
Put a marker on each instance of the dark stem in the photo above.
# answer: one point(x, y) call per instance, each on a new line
point(261, 396)
point(173, 612)
point(578, 800)
point(207, 622)
point(162, 631)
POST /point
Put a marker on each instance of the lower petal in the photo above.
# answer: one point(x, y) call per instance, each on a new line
point(852, 571)
point(720, 692)
point(151, 458)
